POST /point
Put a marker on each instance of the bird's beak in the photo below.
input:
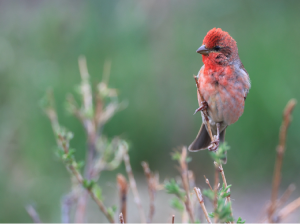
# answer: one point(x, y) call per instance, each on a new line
point(203, 50)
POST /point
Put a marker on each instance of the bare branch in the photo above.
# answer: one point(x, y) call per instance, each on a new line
point(121, 218)
point(123, 189)
point(286, 195)
point(133, 187)
point(289, 209)
point(207, 182)
point(33, 214)
point(151, 189)
point(200, 199)
point(185, 183)
point(173, 219)
point(280, 152)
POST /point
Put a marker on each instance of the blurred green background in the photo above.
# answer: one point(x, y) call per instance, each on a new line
point(152, 46)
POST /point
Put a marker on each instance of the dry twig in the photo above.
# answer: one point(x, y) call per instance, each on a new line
point(185, 183)
point(291, 207)
point(200, 199)
point(207, 182)
point(123, 189)
point(133, 187)
point(33, 214)
point(151, 189)
point(173, 219)
point(280, 152)
point(121, 218)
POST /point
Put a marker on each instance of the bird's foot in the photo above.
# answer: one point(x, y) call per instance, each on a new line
point(202, 107)
point(214, 145)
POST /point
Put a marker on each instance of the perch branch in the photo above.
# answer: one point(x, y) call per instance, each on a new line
point(204, 112)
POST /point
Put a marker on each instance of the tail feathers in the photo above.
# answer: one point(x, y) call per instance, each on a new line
point(203, 140)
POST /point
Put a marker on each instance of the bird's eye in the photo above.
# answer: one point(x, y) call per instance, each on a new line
point(217, 48)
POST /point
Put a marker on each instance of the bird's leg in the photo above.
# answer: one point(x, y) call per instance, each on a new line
point(215, 144)
point(202, 107)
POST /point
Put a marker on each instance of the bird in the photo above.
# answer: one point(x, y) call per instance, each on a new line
point(224, 85)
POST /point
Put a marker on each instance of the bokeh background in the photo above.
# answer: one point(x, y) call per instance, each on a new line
point(152, 45)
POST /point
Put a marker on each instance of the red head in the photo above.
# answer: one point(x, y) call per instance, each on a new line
point(218, 48)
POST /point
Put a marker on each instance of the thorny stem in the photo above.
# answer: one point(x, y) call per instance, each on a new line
point(280, 152)
point(33, 214)
point(133, 187)
point(185, 182)
point(123, 188)
point(151, 189)
point(200, 199)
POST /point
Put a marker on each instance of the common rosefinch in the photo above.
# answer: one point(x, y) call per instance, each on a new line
point(223, 83)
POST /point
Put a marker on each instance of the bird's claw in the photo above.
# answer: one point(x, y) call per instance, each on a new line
point(202, 107)
point(214, 145)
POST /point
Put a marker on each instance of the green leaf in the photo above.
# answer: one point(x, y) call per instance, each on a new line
point(111, 210)
point(88, 184)
point(240, 220)
point(176, 156)
point(209, 194)
point(98, 192)
point(211, 215)
point(177, 204)
point(220, 155)
point(173, 188)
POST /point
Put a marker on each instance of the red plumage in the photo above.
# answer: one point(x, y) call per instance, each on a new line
point(224, 84)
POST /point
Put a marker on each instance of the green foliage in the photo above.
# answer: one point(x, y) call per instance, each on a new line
point(88, 184)
point(209, 194)
point(173, 188)
point(224, 192)
point(97, 191)
point(240, 220)
point(177, 156)
point(112, 210)
point(220, 155)
point(177, 204)
point(223, 211)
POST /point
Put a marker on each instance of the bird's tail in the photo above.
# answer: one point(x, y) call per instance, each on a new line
point(203, 140)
